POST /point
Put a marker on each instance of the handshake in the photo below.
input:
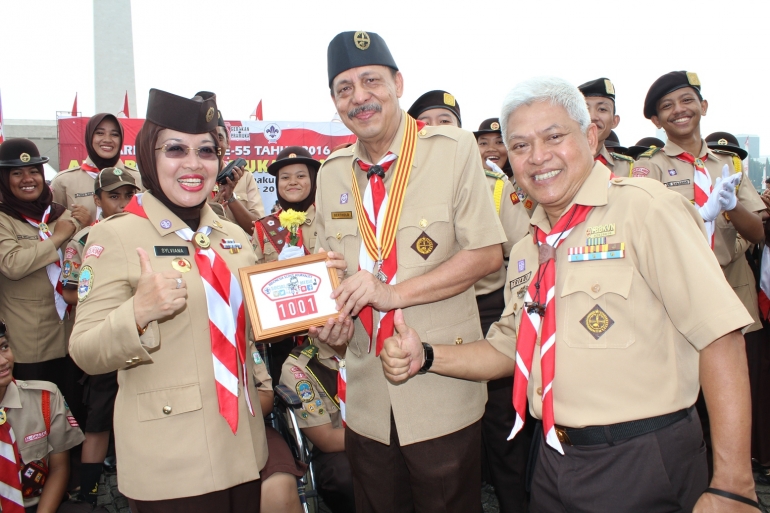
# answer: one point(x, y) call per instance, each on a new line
point(722, 196)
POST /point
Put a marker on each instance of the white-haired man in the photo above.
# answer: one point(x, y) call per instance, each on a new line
point(633, 323)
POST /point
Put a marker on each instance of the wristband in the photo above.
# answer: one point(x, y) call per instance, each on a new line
point(428, 353)
point(733, 496)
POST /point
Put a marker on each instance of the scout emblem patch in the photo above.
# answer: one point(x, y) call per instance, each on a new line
point(361, 40)
point(424, 245)
point(257, 357)
point(66, 269)
point(305, 390)
point(182, 265)
point(343, 198)
point(165, 224)
point(672, 172)
point(597, 322)
point(522, 265)
point(85, 282)
point(3, 416)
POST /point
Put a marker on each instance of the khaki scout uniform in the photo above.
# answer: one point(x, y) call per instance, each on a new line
point(23, 404)
point(620, 165)
point(26, 294)
point(662, 165)
point(319, 407)
point(76, 187)
point(628, 330)
point(448, 201)
point(309, 234)
point(515, 222)
point(170, 438)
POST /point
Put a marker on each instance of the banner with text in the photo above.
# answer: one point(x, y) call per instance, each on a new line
point(257, 142)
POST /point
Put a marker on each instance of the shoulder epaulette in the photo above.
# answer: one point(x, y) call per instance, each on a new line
point(35, 384)
point(494, 174)
point(65, 171)
point(310, 351)
point(451, 132)
point(649, 153)
point(342, 152)
point(619, 156)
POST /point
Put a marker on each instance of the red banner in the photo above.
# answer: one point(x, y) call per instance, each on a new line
point(258, 142)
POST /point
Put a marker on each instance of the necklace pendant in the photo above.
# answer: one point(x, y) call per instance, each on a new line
point(381, 275)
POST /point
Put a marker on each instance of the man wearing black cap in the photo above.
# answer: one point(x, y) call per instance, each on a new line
point(600, 98)
point(413, 447)
point(727, 202)
point(436, 108)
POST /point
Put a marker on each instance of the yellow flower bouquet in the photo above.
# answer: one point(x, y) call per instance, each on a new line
point(292, 220)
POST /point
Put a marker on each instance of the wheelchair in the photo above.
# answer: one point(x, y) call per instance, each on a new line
point(284, 420)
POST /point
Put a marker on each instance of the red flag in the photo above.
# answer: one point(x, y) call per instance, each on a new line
point(258, 112)
point(75, 107)
point(125, 108)
point(1, 120)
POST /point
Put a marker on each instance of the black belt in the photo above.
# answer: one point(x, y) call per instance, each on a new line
point(595, 435)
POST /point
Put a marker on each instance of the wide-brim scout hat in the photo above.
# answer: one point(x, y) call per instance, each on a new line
point(488, 126)
point(601, 87)
point(197, 115)
point(666, 84)
point(20, 152)
point(643, 145)
point(354, 49)
point(436, 99)
point(111, 178)
point(293, 155)
point(726, 141)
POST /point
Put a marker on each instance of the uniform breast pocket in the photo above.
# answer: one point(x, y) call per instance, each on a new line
point(425, 236)
point(598, 311)
point(341, 236)
point(168, 402)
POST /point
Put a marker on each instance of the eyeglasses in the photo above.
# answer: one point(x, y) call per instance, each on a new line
point(179, 151)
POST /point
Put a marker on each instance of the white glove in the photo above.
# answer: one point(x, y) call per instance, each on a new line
point(712, 208)
point(291, 252)
point(727, 198)
point(494, 167)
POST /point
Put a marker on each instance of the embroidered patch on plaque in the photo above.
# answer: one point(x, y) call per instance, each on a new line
point(597, 322)
point(93, 251)
point(305, 391)
point(424, 245)
point(85, 282)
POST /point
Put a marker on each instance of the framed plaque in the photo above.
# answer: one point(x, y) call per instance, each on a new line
point(289, 296)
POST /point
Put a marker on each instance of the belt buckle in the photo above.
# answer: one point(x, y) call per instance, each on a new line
point(562, 435)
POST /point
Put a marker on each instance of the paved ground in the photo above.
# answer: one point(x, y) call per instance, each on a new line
point(115, 502)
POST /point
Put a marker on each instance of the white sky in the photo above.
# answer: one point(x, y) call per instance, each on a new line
point(247, 50)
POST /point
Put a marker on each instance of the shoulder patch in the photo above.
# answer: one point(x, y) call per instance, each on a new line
point(649, 153)
point(494, 174)
point(618, 156)
point(85, 282)
point(95, 251)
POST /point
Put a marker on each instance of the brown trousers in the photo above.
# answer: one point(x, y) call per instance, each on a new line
point(439, 475)
point(662, 471)
point(243, 498)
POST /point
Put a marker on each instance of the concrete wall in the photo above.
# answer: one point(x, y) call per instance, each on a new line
point(43, 133)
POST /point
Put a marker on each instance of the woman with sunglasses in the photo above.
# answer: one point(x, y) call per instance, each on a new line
point(103, 141)
point(160, 301)
point(33, 233)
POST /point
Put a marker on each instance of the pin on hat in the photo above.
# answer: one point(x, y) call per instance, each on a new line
point(667, 84)
point(189, 115)
point(354, 49)
point(436, 99)
point(601, 87)
point(111, 178)
point(488, 126)
point(20, 152)
point(727, 142)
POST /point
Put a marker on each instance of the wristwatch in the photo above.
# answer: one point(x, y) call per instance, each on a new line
point(232, 198)
point(428, 352)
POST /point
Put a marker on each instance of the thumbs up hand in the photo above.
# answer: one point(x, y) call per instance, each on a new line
point(402, 354)
point(158, 294)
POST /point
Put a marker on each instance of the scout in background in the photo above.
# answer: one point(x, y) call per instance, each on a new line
point(37, 431)
point(33, 231)
point(103, 142)
point(600, 99)
point(437, 108)
point(504, 461)
point(113, 189)
point(312, 370)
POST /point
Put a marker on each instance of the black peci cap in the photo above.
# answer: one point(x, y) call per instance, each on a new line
point(488, 126)
point(726, 141)
point(666, 84)
point(19, 152)
point(191, 116)
point(354, 49)
point(436, 99)
point(643, 145)
point(292, 155)
point(601, 87)
point(613, 143)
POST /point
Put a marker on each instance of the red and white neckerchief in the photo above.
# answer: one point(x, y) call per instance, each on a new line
point(702, 188)
point(541, 292)
point(11, 498)
point(342, 386)
point(92, 171)
point(375, 205)
point(227, 320)
point(53, 269)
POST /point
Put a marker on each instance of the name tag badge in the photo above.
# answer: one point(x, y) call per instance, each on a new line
point(348, 214)
point(172, 251)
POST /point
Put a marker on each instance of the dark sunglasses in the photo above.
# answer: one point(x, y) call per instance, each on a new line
point(178, 151)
